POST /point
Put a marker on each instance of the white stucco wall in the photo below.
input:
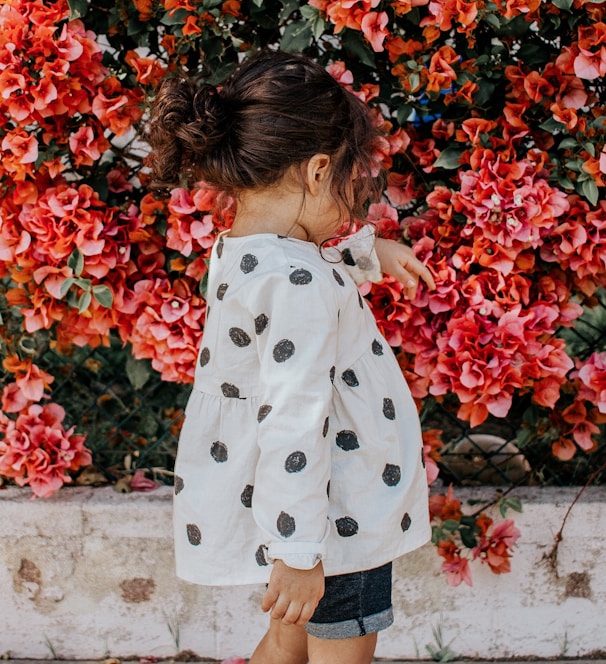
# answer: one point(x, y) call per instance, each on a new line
point(89, 574)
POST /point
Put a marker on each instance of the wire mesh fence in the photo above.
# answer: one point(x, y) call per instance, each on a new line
point(132, 420)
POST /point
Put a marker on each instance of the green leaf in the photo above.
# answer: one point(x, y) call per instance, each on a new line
point(76, 262)
point(451, 525)
point(84, 301)
point(590, 147)
point(448, 159)
point(103, 295)
point(296, 37)
point(65, 286)
point(174, 18)
point(510, 503)
point(551, 125)
point(403, 113)
point(565, 182)
point(77, 8)
point(493, 21)
point(355, 44)
point(203, 287)
point(589, 189)
point(568, 143)
point(566, 5)
point(137, 371)
point(317, 23)
point(288, 7)
point(468, 537)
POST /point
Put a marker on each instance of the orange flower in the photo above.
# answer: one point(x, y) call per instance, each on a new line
point(30, 379)
point(231, 7)
point(149, 70)
point(191, 27)
point(537, 87)
point(116, 107)
point(145, 9)
point(441, 74)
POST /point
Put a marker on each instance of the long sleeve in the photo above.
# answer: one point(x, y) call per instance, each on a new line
point(297, 354)
point(358, 255)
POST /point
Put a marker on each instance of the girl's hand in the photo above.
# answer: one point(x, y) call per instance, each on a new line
point(293, 594)
point(399, 261)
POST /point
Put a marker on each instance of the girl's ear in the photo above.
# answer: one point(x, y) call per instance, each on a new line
point(317, 172)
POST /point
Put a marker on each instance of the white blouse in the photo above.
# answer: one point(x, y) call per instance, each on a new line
point(301, 439)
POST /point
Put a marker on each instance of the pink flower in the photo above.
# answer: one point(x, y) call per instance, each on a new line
point(592, 376)
point(373, 26)
point(36, 450)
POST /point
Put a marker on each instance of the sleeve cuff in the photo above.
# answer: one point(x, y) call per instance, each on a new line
point(359, 256)
point(299, 555)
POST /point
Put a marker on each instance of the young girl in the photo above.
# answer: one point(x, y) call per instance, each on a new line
point(300, 459)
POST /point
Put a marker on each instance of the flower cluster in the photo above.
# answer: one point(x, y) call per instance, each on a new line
point(454, 532)
point(36, 450)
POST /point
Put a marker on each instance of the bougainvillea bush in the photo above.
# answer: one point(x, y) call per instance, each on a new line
point(495, 153)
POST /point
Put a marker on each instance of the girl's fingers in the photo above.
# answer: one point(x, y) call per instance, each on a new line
point(292, 615)
point(306, 613)
point(280, 608)
point(420, 271)
point(269, 599)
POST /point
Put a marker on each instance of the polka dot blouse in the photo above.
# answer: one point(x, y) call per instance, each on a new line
point(301, 440)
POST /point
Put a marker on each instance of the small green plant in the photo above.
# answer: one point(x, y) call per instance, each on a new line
point(440, 651)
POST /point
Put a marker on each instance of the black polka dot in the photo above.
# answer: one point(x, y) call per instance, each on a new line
point(179, 485)
point(246, 495)
point(285, 524)
point(204, 357)
point(221, 291)
point(230, 390)
point(218, 451)
point(377, 347)
point(300, 277)
point(332, 374)
point(261, 322)
point(264, 411)
point(422, 456)
point(239, 337)
point(360, 301)
point(328, 489)
point(406, 521)
point(248, 263)
point(392, 474)
point(325, 427)
point(349, 377)
point(295, 462)
point(193, 534)
point(389, 409)
point(347, 440)
point(220, 244)
point(348, 258)
point(346, 526)
point(284, 350)
point(261, 556)
point(338, 278)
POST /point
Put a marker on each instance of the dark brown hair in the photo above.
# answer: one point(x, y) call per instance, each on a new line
point(276, 111)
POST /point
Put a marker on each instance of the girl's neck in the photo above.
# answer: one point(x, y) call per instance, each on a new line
point(273, 210)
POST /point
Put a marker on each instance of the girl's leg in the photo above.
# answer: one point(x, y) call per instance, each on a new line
point(283, 644)
point(356, 650)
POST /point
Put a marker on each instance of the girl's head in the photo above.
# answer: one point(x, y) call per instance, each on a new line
point(275, 112)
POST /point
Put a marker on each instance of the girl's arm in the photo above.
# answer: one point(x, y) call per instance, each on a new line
point(368, 258)
point(400, 262)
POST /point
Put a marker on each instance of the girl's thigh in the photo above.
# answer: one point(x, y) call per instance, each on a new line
point(355, 650)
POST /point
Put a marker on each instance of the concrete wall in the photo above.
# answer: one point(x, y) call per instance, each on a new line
point(89, 574)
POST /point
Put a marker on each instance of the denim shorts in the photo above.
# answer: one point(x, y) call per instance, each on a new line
point(353, 605)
